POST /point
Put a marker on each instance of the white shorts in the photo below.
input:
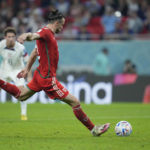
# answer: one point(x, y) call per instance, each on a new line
point(12, 77)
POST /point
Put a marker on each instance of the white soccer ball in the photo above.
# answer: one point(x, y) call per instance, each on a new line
point(123, 128)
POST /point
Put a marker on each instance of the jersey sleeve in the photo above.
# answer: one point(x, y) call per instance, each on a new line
point(42, 33)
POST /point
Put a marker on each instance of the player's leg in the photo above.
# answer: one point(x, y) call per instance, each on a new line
point(83, 118)
point(23, 107)
point(23, 104)
point(25, 93)
point(10, 88)
point(22, 93)
point(56, 90)
point(78, 112)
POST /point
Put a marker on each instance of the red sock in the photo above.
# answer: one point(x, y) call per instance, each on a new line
point(10, 88)
point(82, 117)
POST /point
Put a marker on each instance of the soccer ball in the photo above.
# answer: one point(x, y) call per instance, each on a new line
point(123, 128)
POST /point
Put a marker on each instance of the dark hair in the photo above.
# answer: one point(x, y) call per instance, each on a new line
point(55, 15)
point(9, 30)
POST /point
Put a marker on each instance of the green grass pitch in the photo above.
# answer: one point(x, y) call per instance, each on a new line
point(54, 127)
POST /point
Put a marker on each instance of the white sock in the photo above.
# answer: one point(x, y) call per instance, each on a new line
point(23, 108)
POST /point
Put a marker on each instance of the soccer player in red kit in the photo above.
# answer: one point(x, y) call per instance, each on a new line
point(45, 75)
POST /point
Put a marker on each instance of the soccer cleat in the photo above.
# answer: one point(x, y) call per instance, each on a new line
point(100, 129)
point(23, 117)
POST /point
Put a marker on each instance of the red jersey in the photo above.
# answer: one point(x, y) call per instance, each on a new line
point(48, 53)
point(45, 76)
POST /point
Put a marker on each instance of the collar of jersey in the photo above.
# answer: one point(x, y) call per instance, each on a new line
point(12, 49)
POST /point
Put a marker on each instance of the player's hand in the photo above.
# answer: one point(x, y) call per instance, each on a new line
point(22, 74)
point(21, 38)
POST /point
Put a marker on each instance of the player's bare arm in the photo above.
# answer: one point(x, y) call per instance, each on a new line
point(29, 76)
point(28, 37)
point(26, 70)
point(25, 93)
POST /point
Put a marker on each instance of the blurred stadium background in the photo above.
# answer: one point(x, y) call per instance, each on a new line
point(104, 59)
point(120, 26)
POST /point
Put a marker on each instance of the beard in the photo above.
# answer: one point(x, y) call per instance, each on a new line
point(57, 31)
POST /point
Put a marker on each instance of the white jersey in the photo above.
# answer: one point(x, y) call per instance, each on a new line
point(12, 60)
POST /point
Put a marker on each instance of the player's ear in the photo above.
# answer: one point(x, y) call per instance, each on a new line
point(56, 23)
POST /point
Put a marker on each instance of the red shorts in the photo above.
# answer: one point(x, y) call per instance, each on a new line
point(51, 86)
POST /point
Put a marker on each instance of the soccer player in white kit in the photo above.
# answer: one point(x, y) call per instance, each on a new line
point(13, 58)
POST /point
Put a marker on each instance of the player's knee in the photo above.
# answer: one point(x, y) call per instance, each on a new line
point(75, 102)
point(20, 98)
point(71, 100)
